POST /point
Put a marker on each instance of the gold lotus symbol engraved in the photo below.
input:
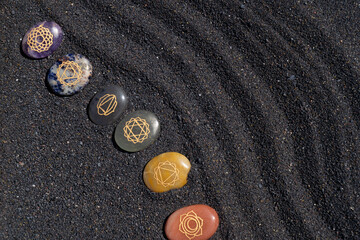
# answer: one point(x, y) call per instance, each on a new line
point(69, 73)
point(191, 225)
point(106, 104)
point(136, 130)
point(40, 39)
point(166, 173)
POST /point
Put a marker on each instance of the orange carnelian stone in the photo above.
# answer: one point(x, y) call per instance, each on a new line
point(196, 222)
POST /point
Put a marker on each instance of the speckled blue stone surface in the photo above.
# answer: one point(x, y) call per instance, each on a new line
point(42, 39)
point(69, 74)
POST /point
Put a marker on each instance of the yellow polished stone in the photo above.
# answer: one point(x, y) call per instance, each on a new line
point(166, 171)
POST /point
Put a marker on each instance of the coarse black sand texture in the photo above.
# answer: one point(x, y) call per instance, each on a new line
point(262, 97)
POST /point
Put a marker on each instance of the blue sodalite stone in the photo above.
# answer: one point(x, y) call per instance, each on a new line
point(69, 74)
point(42, 39)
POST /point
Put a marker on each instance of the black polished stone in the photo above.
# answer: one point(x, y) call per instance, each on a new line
point(107, 105)
point(137, 131)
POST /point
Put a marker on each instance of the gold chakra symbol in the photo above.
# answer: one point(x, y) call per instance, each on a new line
point(69, 73)
point(166, 174)
point(106, 104)
point(40, 39)
point(136, 130)
point(191, 225)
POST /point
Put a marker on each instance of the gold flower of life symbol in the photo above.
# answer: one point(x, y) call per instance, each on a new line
point(69, 73)
point(166, 173)
point(191, 225)
point(106, 104)
point(136, 130)
point(40, 39)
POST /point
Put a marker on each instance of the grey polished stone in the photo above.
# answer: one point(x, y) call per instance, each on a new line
point(137, 131)
point(107, 105)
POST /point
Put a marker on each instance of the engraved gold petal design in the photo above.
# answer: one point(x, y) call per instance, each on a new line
point(142, 130)
point(169, 168)
point(69, 73)
point(185, 227)
point(40, 39)
point(110, 100)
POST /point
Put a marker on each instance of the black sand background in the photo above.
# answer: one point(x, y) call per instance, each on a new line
point(261, 96)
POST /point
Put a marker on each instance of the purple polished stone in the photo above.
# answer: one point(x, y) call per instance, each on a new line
point(42, 39)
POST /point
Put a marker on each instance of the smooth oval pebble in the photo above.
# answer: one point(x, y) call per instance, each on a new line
point(195, 222)
point(107, 105)
point(69, 74)
point(137, 131)
point(166, 171)
point(42, 39)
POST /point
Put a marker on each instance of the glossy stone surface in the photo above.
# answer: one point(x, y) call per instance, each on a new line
point(137, 131)
point(69, 74)
point(42, 39)
point(107, 105)
point(195, 222)
point(166, 171)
